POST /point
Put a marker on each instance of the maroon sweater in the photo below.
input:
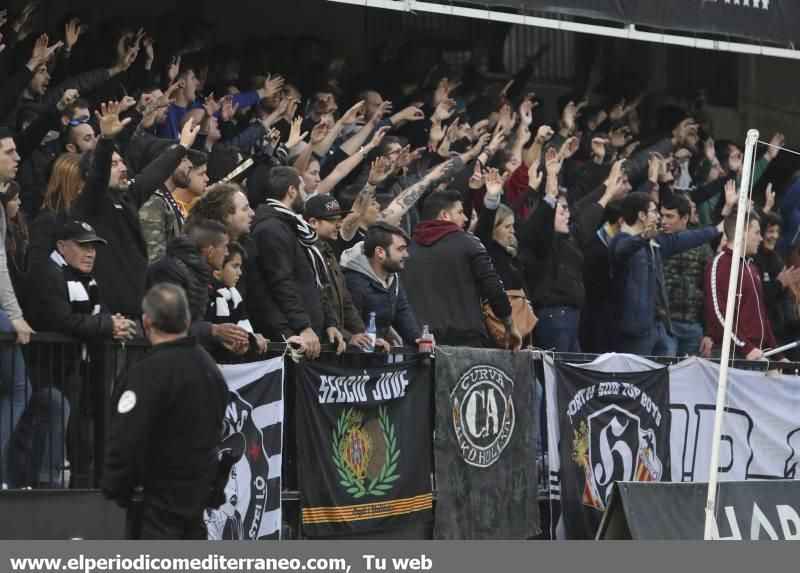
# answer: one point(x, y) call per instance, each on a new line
point(751, 326)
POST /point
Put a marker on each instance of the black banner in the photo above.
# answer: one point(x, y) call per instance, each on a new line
point(613, 427)
point(485, 445)
point(768, 21)
point(253, 434)
point(363, 442)
point(747, 510)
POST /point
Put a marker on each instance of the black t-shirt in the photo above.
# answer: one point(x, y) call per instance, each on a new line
point(340, 245)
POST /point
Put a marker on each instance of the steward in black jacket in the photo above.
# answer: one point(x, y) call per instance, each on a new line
point(112, 207)
point(161, 448)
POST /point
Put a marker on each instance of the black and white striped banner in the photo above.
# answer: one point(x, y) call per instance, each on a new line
point(254, 435)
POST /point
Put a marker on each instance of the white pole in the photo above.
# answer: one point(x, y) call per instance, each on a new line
point(733, 283)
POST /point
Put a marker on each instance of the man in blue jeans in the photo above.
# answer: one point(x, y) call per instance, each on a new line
point(683, 279)
point(637, 275)
point(15, 389)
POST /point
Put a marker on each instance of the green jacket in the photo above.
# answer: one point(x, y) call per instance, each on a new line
point(683, 278)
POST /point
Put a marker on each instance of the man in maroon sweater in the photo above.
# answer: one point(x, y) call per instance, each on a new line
point(752, 333)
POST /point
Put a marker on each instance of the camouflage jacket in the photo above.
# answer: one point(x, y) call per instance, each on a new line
point(683, 278)
point(162, 220)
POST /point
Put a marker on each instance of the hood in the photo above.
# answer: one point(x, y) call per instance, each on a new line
point(184, 249)
point(428, 233)
point(354, 259)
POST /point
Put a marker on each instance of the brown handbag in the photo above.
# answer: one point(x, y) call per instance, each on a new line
point(521, 313)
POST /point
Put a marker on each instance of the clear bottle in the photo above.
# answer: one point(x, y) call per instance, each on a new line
point(372, 332)
point(426, 340)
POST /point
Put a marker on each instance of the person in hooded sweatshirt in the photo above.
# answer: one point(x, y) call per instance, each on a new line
point(370, 269)
point(450, 273)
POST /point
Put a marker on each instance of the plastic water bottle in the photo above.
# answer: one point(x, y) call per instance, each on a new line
point(426, 340)
point(371, 332)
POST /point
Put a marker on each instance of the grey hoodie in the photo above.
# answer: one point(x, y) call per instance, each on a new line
point(354, 259)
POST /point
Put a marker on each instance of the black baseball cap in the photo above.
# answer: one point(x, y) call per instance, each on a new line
point(79, 232)
point(323, 207)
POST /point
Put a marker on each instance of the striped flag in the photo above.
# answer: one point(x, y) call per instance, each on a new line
point(253, 433)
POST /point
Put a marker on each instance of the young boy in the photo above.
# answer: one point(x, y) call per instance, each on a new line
point(225, 303)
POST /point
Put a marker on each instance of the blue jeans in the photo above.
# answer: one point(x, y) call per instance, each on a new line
point(557, 329)
point(15, 391)
point(38, 450)
point(654, 343)
point(685, 339)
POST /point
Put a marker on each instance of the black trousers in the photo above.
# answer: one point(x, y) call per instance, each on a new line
point(149, 520)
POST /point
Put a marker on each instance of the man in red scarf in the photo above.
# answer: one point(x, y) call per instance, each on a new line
point(449, 274)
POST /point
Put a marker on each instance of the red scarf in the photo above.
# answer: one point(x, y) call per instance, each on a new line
point(429, 232)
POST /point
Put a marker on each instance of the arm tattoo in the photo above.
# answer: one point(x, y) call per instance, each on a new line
point(353, 220)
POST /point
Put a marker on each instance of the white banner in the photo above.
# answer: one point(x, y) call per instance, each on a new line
point(760, 437)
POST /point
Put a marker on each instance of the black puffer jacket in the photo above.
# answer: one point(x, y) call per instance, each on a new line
point(282, 295)
point(183, 266)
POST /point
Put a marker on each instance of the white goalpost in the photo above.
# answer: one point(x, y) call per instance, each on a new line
point(733, 282)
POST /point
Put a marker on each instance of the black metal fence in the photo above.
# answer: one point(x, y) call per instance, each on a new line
point(55, 402)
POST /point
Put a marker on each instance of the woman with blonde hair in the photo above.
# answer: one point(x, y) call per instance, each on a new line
point(63, 186)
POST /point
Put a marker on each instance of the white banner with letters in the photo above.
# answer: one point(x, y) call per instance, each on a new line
point(760, 431)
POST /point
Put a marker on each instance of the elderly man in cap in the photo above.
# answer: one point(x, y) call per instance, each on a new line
point(62, 296)
point(324, 213)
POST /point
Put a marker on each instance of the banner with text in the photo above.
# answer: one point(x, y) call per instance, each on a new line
point(760, 431)
point(363, 443)
point(604, 426)
point(485, 445)
point(253, 433)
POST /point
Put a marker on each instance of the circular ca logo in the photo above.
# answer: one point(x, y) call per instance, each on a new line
point(483, 414)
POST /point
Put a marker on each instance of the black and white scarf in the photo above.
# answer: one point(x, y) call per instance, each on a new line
point(307, 237)
point(84, 296)
point(173, 204)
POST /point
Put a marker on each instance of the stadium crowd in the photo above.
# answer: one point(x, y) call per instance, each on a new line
point(295, 202)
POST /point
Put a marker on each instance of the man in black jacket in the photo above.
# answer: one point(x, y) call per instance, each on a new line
point(161, 448)
point(450, 274)
point(62, 296)
point(111, 205)
point(188, 263)
point(287, 278)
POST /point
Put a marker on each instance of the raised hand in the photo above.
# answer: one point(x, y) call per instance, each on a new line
point(493, 182)
point(210, 105)
point(72, 31)
point(619, 111)
point(67, 99)
point(379, 171)
point(620, 136)
point(126, 103)
point(41, 52)
point(108, 117)
point(535, 176)
point(319, 133)
point(443, 90)
point(23, 21)
point(507, 118)
point(353, 114)
point(776, 142)
point(377, 138)
point(599, 148)
point(444, 110)
point(731, 193)
point(569, 147)
point(568, 116)
point(174, 68)
point(709, 150)
point(526, 112)
point(438, 172)
point(382, 110)
point(189, 134)
point(544, 134)
point(769, 199)
point(654, 166)
point(295, 136)
point(228, 108)
point(272, 85)
point(553, 161)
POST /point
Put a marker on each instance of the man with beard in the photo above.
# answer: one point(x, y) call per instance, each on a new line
point(287, 278)
point(111, 205)
point(370, 269)
point(165, 212)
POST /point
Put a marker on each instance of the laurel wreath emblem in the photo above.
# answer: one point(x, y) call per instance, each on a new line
point(384, 481)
